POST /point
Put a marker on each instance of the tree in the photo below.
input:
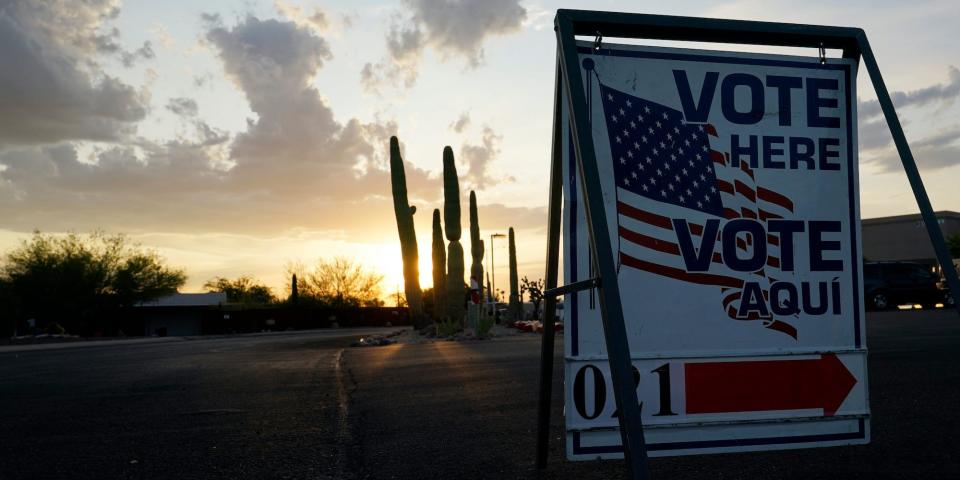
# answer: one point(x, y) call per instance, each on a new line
point(78, 280)
point(953, 243)
point(245, 289)
point(534, 290)
point(339, 282)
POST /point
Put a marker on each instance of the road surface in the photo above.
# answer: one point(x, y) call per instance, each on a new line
point(307, 406)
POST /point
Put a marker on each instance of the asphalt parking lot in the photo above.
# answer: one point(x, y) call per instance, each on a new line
point(307, 405)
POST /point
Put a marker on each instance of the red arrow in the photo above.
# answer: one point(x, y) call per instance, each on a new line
point(719, 387)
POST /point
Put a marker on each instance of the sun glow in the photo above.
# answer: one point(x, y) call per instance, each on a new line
point(385, 258)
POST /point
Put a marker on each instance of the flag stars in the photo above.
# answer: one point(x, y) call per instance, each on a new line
point(622, 112)
point(686, 142)
point(609, 97)
point(646, 109)
point(644, 138)
point(626, 181)
point(614, 118)
point(633, 124)
point(645, 188)
point(659, 125)
point(665, 116)
point(634, 174)
point(640, 117)
point(713, 189)
point(619, 140)
point(663, 193)
point(700, 204)
point(629, 103)
point(676, 130)
point(630, 153)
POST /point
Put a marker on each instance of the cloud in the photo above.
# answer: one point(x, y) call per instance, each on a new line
point(935, 152)
point(186, 107)
point(478, 158)
point(459, 27)
point(461, 123)
point(145, 52)
point(941, 93)
point(162, 35)
point(315, 18)
point(294, 166)
point(873, 133)
point(453, 28)
point(51, 87)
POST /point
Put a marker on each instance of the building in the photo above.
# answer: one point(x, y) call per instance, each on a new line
point(904, 237)
point(180, 314)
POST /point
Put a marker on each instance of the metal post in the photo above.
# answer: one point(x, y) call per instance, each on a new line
point(611, 309)
point(910, 167)
point(553, 260)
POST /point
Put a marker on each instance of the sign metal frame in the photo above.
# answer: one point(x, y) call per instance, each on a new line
point(571, 23)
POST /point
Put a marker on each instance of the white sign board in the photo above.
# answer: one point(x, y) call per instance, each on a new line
point(730, 187)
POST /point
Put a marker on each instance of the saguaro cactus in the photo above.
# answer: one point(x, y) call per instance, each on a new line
point(456, 295)
point(439, 269)
point(408, 236)
point(294, 294)
point(515, 308)
point(476, 245)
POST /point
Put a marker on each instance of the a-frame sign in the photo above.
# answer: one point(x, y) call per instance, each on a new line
point(711, 238)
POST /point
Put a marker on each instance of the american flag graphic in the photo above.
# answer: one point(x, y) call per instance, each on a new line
point(659, 157)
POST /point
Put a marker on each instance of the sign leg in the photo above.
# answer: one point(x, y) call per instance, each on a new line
point(550, 281)
point(910, 168)
point(611, 307)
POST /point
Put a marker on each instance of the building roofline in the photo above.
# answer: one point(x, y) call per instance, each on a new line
point(909, 217)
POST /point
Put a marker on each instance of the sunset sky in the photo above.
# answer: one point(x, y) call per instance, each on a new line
point(235, 137)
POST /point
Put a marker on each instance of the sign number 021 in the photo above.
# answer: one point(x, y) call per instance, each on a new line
point(599, 389)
